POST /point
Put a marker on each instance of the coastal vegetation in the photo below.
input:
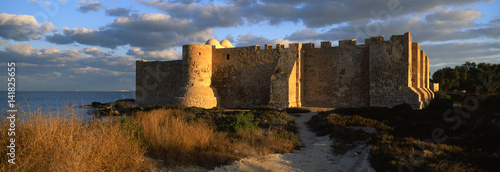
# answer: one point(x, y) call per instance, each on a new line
point(148, 138)
point(59, 141)
point(443, 137)
point(210, 138)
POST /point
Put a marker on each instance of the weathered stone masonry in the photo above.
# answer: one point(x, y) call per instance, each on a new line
point(377, 73)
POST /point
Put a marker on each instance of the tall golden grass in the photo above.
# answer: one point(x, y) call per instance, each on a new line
point(58, 141)
point(176, 138)
point(176, 141)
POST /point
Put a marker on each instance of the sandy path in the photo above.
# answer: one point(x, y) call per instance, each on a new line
point(315, 156)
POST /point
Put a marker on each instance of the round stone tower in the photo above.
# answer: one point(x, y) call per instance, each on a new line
point(197, 75)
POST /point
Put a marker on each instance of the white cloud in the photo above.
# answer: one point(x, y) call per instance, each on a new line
point(168, 54)
point(453, 54)
point(22, 49)
point(93, 51)
point(49, 51)
point(250, 39)
point(97, 71)
point(86, 6)
point(22, 27)
point(313, 14)
point(118, 12)
point(81, 69)
point(150, 30)
point(153, 22)
point(442, 25)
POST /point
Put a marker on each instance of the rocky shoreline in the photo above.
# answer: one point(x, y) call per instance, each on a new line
point(122, 107)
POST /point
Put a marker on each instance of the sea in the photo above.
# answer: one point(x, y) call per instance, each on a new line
point(30, 101)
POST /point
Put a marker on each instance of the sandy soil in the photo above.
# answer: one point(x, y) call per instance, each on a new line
point(315, 156)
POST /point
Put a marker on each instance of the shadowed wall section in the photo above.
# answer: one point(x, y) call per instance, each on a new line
point(157, 81)
point(242, 75)
point(335, 76)
point(390, 72)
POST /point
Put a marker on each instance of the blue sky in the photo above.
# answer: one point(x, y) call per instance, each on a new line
point(93, 45)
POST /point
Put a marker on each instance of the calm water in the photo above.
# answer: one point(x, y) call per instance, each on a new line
point(51, 100)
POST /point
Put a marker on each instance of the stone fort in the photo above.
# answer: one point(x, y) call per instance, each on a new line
point(377, 73)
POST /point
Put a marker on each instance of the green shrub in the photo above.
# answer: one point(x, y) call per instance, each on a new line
point(153, 107)
point(180, 107)
point(265, 108)
point(288, 135)
point(441, 101)
point(122, 104)
point(132, 129)
point(239, 121)
point(404, 107)
point(98, 105)
point(297, 110)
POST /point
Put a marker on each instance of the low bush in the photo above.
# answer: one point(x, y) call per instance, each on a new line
point(239, 121)
point(336, 125)
point(297, 110)
point(403, 136)
point(122, 104)
point(131, 128)
point(265, 108)
point(440, 102)
point(404, 107)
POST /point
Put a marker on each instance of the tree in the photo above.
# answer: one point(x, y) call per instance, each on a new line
point(470, 76)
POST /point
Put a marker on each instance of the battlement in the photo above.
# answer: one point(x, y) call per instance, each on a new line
point(377, 73)
point(347, 42)
point(323, 44)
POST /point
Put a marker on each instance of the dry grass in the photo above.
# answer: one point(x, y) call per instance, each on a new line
point(58, 141)
point(176, 141)
point(177, 138)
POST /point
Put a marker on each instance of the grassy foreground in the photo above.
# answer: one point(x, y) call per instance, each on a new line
point(420, 140)
point(52, 141)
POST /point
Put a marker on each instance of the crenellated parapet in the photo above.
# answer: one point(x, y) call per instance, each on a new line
point(349, 42)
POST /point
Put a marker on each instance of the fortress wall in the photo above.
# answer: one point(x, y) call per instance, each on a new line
point(335, 76)
point(415, 65)
point(423, 76)
point(416, 72)
point(294, 86)
point(378, 73)
point(427, 73)
point(157, 81)
point(285, 84)
point(242, 79)
point(390, 72)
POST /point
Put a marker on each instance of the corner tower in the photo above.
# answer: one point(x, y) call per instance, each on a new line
point(196, 87)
